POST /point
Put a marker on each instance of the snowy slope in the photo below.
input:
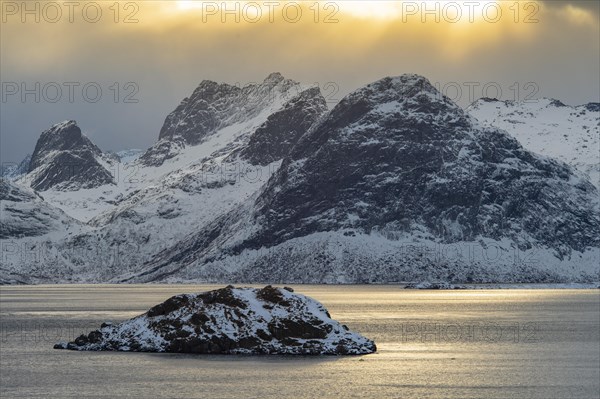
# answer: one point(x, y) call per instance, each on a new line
point(26, 214)
point(29, 229)
point(549, 127)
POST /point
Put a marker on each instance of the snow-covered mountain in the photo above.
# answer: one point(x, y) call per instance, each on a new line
point(392, 172)
point(181, 194)
point(263, 183)
point(168, 198)
point(217, 114)
point(549, 127)
point(67, 160)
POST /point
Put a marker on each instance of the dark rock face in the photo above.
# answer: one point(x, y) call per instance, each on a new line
point(396, 154)
point(275, 138)
point(66, 159)
point(214, 106)
point(230, 321)
point(163, 150)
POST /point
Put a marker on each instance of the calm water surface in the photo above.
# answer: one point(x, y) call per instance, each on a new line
point(432, 344)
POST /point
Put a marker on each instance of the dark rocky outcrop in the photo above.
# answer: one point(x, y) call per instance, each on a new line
point(230, 321)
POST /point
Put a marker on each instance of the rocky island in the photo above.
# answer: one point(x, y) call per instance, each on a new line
point(230, 321)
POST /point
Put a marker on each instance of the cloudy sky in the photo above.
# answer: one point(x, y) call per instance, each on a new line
point(146, 56)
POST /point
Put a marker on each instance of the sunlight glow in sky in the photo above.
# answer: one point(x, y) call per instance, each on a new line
point(394, 9)
point(173, 45)
point(377, 9)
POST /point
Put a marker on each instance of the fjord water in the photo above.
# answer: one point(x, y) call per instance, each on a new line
point(431, 344)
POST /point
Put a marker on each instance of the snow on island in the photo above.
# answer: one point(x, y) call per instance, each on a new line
point(230, 321)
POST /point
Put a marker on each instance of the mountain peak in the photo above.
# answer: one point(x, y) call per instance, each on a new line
point(409, 79)
point(64, 156)
point(211, 85)
point(274, 77)
point(61, 136)
point(64, 128)
point(65, 124)
point(487, 100)
point(395, 103)
point(13, 171)
point(557, 103)
point(539, 103)
point(214, 106)
point(275, 138)
point(405, 93)
point(406, 85)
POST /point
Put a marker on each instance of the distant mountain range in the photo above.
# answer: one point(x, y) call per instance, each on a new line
point(265, 184)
